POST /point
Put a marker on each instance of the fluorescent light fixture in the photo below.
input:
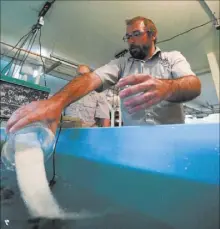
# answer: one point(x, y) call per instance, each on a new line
point(74, 65)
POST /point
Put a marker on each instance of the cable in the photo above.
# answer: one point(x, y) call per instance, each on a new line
point(30, 45)
point(45, 83)
point(122, 53)
point(185, 32)
point(23, 59)
point(17, 52)
point(6, 53)
point(52, 182)
point(34, 29)
point(45, 8)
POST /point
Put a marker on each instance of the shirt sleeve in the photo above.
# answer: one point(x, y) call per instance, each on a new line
point(102, 108)
point(180, 66)
point(109, 74)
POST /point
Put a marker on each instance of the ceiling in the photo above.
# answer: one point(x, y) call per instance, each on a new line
point(90, 32)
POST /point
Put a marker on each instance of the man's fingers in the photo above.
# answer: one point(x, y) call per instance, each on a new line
point(133, 79)
point(18, 114)
point(136, 89)
point(28, 119)
point(22, 122)
point(139, 99)
point(144, 105)
point(45, 111)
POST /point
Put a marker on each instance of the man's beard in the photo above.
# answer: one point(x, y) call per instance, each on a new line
point(139, 52)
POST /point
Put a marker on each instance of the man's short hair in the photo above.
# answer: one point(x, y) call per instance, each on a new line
point(147, 22)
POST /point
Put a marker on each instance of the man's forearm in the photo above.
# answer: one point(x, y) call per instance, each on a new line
point(184, 89)
point(77, 88)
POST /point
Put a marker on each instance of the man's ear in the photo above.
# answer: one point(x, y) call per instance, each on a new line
point(154, 38)
point(152, 34)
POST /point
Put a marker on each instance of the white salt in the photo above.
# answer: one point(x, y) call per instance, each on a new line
point(32, 180)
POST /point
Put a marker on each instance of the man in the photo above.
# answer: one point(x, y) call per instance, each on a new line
point(154, 77)
point(92, 109)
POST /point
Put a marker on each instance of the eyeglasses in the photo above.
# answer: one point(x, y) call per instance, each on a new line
point(136, 33)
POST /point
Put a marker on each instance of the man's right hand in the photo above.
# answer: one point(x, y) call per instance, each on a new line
point(47, 111)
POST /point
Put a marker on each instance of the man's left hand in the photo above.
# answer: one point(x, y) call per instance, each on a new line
point(153, 91)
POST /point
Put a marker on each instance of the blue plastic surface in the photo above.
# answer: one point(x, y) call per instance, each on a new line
point(187, 151)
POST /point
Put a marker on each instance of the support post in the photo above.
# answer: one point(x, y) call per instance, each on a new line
point(214, 66)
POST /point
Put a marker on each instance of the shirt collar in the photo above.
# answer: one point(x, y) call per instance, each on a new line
point(157, 50)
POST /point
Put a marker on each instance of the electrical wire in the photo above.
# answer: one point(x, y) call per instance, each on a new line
point(29, 49)
point(171, 38)
point(45, 83)
point(17, 57)
point(17, 52)
point(187, 31)
point(32, 36)
point(22, 60)
point(7, 52)
point(52, 182)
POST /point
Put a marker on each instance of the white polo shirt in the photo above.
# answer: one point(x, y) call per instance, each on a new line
point(162, 65)
point(88, 108)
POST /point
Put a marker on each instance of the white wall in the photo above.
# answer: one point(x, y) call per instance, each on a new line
point(213, 118)
point(208, 94)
